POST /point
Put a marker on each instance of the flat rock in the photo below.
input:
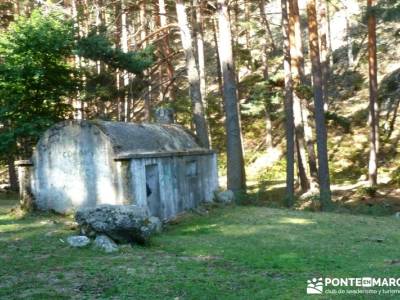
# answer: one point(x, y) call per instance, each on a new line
point(122, 223)
point(78, 241)
point(106, 244)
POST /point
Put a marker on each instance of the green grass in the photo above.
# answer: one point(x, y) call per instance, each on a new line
point(236, 252)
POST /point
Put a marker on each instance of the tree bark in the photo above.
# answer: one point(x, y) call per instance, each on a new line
point(288, 107)
point(12, 174)
point(193, 75)
point(324, 49)
point(143, 34)
point(124, 47)
point(169, 93)
point(219, 69)
point(322, 149)
point(299, 78)
point(236, 175)
point(200, 48)
point(297, 109)
point(350, 57)
point(373, 96)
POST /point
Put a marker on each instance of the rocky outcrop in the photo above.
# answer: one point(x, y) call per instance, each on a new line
point(122, 223)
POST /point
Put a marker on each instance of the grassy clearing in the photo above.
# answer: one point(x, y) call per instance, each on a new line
point(239, 252)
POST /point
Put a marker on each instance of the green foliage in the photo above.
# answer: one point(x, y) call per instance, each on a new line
point(97, 46)
point(34, 77)
point(263, 95)
point(338, 120)
point(395, 176)
point(369, 191)
point(388, 10)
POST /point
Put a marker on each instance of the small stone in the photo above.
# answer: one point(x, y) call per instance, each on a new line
point(225, 197)
point(78, 241)
point(106, 244)
point(397, 215)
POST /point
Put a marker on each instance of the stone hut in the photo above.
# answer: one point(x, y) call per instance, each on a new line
point(159, 167)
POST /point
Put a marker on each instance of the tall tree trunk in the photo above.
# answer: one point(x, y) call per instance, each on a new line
point(198, 5)
point(288, 107)
point(322, 148)
point(297, 110)
point(193, 75)
point(167, 50)
point(265, 51)
point(373, 96)
point(236, 174)
point(143, 34)
point(124, 47)
point(219, 69)
point(298, 70)
point(265, 45)
point(12, 174)
point(350, 57)
point(324, 49)
point(78, 105)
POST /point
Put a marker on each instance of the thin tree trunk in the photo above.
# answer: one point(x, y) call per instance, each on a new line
point(193, 75)
point(322, 148)
point(219, 69)
point(288, 107)
point(350, 57)
point(143, 34)
point(236, 175)
point(268, 128)
point(373, 95)
point(124, 47)
point(167, 50)
point(200, 48)
point(265, 22)
point(78, 109)
point(12, 174)
point(324, 49)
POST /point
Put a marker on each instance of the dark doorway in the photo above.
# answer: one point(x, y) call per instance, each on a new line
point(153, 190)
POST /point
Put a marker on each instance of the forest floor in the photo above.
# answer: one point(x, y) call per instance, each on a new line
point(232, 252)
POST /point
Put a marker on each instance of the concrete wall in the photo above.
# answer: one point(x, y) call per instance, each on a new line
point(74, 167)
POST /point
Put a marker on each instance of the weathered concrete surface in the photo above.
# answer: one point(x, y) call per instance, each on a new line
point(122, 223)
point(158, 167)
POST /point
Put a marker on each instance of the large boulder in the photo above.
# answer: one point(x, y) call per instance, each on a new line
point(122, 223)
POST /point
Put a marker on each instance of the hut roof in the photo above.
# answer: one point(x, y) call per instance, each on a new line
point(134, 139)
